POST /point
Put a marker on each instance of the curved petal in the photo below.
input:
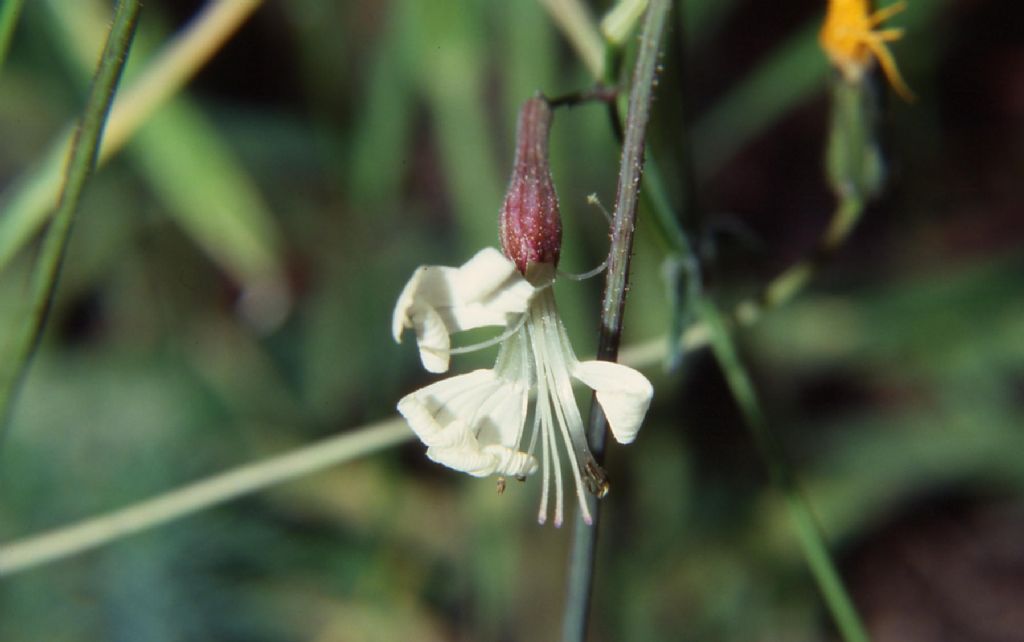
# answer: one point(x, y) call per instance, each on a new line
point(512, 462)
point(469, 457)
point(402, 316)
point(484, 274)
point(624, 395)
point(472, 423)
point(465, 459)
point(433, 341)
point(486, 291)
point(440, 413)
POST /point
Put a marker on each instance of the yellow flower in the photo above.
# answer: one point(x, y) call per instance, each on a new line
point(850, 38)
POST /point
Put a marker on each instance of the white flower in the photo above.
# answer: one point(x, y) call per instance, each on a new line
point(475, 422)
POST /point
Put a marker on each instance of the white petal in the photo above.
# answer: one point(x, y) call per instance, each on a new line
point(486, 291)
point(469, 457)
point(400, 318)
point(465, 459)
point(501, 417)
point(512, 462)
point(442, 411)
point(624, 395)
point(433, 341)
point(472, 423)
point(484, 274)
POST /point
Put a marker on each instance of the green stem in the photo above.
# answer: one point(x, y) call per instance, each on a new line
point(188, 499)
point(581, 558)
point(9, 12)
point(808, 532)
point(80, 166)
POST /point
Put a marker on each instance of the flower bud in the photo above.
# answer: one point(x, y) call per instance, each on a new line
point(531, 227)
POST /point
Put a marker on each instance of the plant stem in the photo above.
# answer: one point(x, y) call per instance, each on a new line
point(808, 532)
point(581, 558)
point(80, 165)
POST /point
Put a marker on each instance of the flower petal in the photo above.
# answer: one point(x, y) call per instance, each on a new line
point(433, 341)
point(512, 462)
point(465, 459)
point(472, 423)
point(486, 291)
point(442, 411)
point(624, 395)
point(469, 457)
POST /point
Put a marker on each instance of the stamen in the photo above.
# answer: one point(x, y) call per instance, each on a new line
point(557, 461)
point(567, 411)
point(591, 200)
point(527, 377)
point(594, 201)
point(536, 427)
point(491, 342)
point(541, 426)
point(558, 389)
point(585, 275)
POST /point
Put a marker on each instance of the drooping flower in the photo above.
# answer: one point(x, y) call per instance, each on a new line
point(851, 39)
point(477, 422)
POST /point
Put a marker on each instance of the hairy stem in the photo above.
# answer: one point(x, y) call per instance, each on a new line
point(80, 166)
point(581, 559)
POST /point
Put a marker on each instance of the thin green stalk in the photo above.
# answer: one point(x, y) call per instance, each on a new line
point(581, 558)
point(93, 532)
point(808, 532)
point(9, 12)
point(80, 166)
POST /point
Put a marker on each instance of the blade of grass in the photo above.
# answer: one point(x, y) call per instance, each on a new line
point(808, 532)
point(97, 531)
point(81, 164)
point(581, 558)
point(196, 175)
point(27, 204)
point(10, 10)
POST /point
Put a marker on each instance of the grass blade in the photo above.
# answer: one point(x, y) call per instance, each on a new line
point(80, 166)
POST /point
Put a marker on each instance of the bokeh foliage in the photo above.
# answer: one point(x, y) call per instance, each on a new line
point(228, 291)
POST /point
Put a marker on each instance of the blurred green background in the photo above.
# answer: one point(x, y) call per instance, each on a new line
point(229, 285)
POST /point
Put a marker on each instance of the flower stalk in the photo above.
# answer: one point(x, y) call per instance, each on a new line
point(631, 165)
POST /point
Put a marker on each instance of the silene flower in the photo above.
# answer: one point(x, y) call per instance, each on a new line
point(851, 39)
point(477, 422)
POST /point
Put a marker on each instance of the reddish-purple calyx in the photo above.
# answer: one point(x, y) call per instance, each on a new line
point(531, 227)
